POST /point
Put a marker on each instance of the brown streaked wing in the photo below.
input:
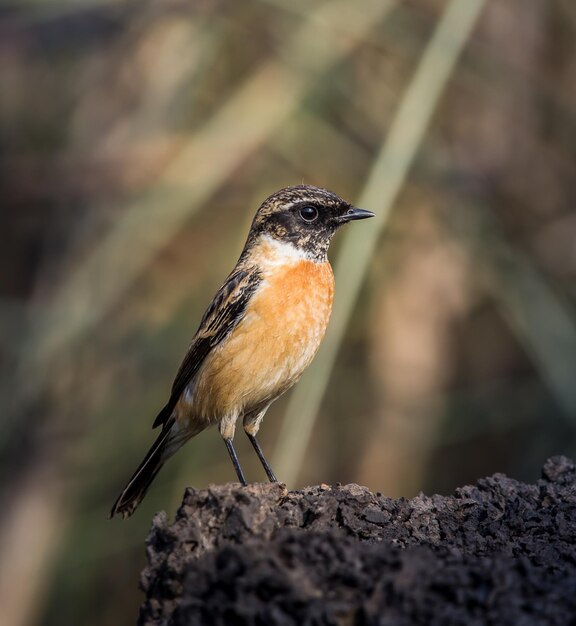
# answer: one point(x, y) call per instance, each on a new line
point(225, 312)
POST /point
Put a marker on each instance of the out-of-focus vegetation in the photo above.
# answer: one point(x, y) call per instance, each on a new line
point(137, 141)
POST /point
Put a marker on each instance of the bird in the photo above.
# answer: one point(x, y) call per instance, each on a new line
point(260, 332)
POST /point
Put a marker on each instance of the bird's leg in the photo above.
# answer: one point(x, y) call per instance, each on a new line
point(235, 461)
point(271, 477)
point(251, 426)
point(227, 426)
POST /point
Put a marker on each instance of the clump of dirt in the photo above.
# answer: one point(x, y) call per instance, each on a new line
point(499, 552)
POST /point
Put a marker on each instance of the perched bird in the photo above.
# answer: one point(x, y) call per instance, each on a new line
point(258, 335)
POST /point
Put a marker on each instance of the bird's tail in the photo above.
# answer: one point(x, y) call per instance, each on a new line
point(136, 488)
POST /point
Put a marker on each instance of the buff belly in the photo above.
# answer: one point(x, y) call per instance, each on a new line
point(268, 350)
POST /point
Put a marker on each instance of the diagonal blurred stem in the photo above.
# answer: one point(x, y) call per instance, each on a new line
point(538, 315)
point(541, 320)
point(385, 181)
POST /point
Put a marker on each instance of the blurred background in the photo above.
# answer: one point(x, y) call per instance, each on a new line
point(137, 140)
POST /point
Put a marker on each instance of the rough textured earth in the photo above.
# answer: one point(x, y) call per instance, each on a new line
point(497, 553)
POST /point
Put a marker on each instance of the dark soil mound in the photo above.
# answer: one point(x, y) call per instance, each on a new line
point(500, 552)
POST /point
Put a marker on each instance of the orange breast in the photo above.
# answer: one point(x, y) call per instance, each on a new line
point(270, 348)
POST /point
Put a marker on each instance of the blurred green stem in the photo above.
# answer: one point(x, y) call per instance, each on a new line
point(537, 314)
point(385, 181)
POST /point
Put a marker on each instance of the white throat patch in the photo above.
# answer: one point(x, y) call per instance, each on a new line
point(281, 252)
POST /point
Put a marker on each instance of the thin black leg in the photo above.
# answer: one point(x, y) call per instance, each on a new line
point(262, 458)
point(235, 461)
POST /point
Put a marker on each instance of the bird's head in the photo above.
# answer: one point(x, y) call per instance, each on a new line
point(305, 217)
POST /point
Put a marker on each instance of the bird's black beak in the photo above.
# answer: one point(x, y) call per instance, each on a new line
point(354, 214)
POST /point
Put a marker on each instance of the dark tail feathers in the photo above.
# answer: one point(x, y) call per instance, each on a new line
point(137, 486)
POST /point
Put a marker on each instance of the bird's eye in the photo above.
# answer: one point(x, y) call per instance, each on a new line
point(309, 213)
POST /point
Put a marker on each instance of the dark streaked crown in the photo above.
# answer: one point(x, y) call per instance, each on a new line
point(304, 216)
